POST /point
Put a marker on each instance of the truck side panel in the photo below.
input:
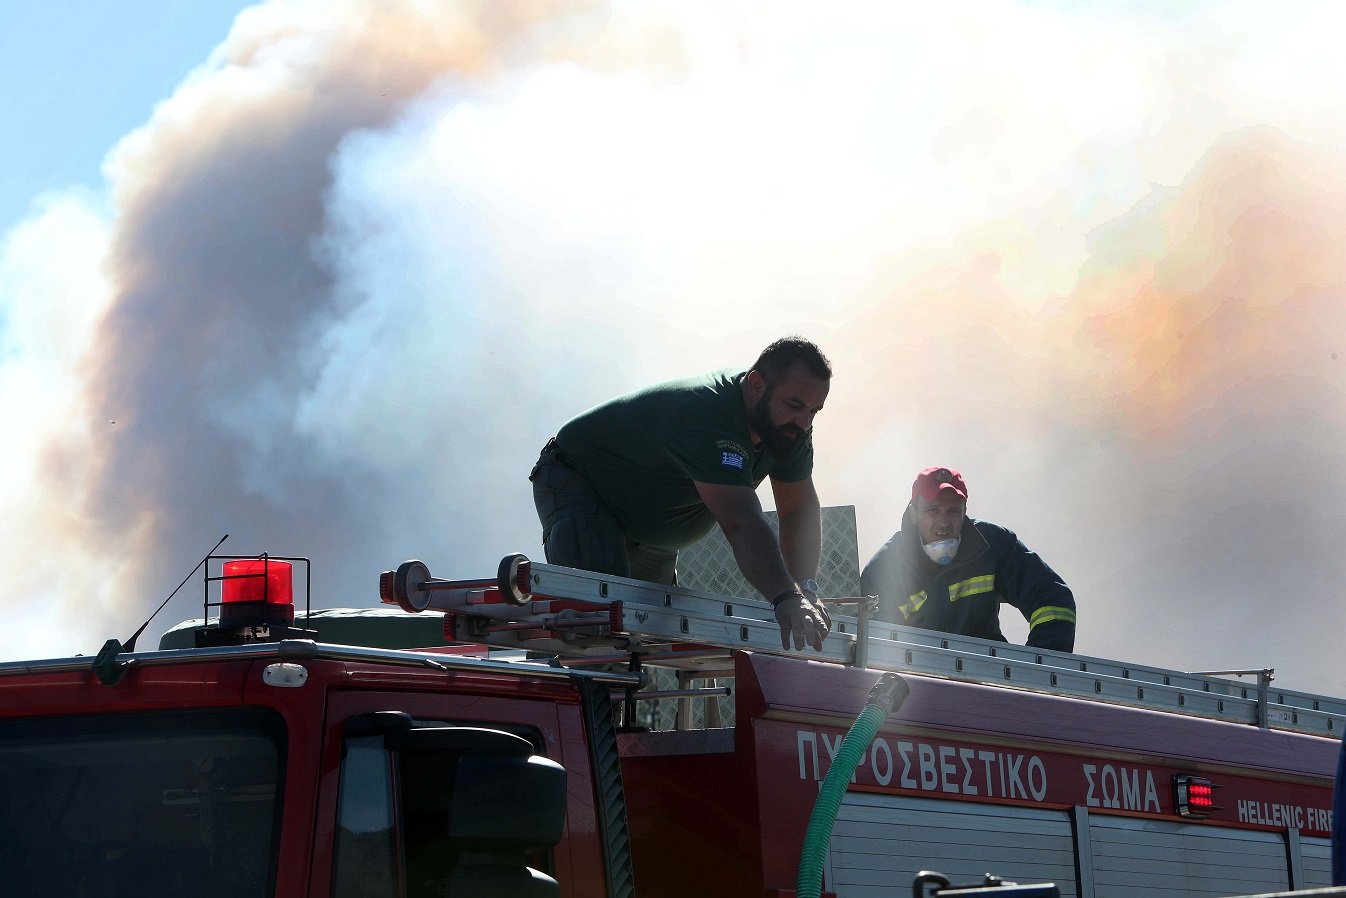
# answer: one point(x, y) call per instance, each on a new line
point(970, 779)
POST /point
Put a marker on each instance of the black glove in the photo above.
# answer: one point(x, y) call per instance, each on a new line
point(810, 590)
point(800, 618)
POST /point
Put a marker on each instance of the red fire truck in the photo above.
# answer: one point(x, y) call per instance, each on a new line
point(546, 732)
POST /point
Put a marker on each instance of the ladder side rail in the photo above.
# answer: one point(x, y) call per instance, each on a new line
point(555, 581)
point(725, 630)
point(635, 625)
point(1186, 695)
point(953, 664)
point(1309, 701)
point(1107, 667)
point(523, 584)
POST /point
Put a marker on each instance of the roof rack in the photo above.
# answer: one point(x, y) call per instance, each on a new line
point(587, 618)
point(309, 650)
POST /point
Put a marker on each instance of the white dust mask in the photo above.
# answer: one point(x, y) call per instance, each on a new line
point(941, 551)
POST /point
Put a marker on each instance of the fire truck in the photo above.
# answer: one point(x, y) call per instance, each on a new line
point(550, 732)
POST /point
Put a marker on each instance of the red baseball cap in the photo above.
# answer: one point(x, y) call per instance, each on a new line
point(930, 481)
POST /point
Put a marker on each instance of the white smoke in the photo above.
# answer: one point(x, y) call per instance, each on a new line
point(371, 255)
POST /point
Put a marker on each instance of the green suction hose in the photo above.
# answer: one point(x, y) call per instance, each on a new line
point(887, 695)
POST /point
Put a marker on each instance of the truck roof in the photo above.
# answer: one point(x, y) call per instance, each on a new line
point(298, 650)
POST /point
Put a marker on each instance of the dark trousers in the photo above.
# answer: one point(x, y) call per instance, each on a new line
point(579, 531)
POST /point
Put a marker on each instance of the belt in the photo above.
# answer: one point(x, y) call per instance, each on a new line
point(550, 451)
point(553, 449)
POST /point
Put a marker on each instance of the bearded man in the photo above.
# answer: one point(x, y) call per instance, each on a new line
point(623, 486)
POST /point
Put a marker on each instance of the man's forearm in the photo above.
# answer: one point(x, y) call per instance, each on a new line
point(801, 541)
point(758, 554)
point(759, 557)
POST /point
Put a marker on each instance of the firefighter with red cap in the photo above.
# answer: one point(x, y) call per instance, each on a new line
point(946, 571)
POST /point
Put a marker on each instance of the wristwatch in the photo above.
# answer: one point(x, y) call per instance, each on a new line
point(810, 588)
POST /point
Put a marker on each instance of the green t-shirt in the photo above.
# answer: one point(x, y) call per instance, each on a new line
point(642, 451)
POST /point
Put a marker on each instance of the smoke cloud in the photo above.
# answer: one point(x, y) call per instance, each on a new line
point(345, 282)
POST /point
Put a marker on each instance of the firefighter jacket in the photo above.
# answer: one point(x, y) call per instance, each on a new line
point(992, 567)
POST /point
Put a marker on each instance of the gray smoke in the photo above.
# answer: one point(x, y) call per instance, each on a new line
point(371, 255)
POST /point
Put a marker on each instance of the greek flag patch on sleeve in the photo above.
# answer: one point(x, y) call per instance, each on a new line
point(731, 460)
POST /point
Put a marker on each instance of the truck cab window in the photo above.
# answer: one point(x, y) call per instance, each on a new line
point(365, 863)
point(177, 804)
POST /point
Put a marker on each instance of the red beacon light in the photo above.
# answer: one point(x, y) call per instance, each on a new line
point(1195, 795)
point(256, 601)
point(257, 592)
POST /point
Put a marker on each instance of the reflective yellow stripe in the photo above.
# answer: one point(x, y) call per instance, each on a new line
point(1050, 612)
point(913, 604)
point(974, 586)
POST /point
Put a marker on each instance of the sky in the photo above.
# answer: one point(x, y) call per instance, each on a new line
point(325, 274)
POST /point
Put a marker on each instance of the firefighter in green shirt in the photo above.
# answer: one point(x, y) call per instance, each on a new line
point(622, 487)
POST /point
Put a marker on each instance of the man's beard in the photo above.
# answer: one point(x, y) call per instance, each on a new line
point(779, 440)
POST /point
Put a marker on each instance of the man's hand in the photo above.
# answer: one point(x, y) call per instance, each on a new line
point(810, 590)
point(800, 618)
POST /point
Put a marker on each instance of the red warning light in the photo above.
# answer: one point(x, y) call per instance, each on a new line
point(256, 592)
point(1195, 796)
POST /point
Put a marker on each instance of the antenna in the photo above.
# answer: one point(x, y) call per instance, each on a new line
point(131, 643)
point(106, 666)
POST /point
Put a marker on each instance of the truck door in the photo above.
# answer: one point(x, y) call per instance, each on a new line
point(427, 800)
